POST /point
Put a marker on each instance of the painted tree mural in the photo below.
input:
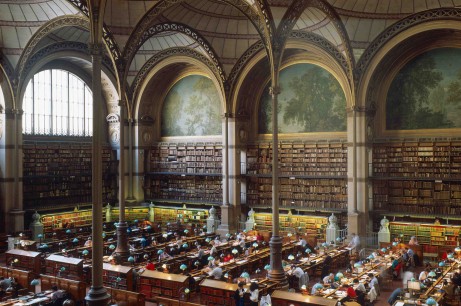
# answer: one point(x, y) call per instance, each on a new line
point(192, 108)
point(426, 92)
point(311, 100)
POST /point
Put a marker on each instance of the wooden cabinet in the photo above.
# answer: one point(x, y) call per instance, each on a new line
point(427, 234)
point(64, 267)
point(24, 260)
point(313, 176)
point(154, 283)
point(285, 298)
point(111, 273)
point(213, 292)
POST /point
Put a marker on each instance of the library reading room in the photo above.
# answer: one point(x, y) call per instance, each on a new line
point(230, 152)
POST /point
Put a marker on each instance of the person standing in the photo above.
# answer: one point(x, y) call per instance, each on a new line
point(254, 294)
point(239, 295)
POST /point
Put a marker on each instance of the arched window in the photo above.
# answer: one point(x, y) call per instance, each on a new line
point(57, 102)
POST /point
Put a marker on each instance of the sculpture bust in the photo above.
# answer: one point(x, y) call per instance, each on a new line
point(384, 224)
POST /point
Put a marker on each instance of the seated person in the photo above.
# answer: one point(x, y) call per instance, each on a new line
point(56, 294)
point(259, 237)
point(358, 286)
point(413, 241)
point(228, 257)
point(216, 273)
point(88, 242)
point(150, 266)
point(164, 256)
point(395, 296)
point(329, 280)
point(351, 294)
point(317, 289)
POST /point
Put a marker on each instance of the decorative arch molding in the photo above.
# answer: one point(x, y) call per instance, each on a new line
point(294, 12)
point(58, 47)
point(56, 56)
point(149, 19)
point(178, 51)
point(57, 23)
point(106, 33)
point(399, 27)
point(242, 62)
point(7, 70)
point(184, 29)
point(387, 63)
point(325, 45)
point(113, 118)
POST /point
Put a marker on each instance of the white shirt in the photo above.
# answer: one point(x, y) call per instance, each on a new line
point(298, 272)
point(355, 242)
point(361, 287)
point(422, 275)
point(216, 273)
point(254, 295)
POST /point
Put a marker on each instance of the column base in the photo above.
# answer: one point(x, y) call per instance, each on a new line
point(97, 296)
point(17, 220)
point(354, 225)
point(123, 249)
point(227, 212)
point(276, 273)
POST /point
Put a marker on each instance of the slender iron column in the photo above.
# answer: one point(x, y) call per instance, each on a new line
point(276, 272)
point(97, 295)
point(122, 236)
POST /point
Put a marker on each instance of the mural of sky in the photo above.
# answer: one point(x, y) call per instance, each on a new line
point(426, 92)
point(192, 108)
point(311, 100)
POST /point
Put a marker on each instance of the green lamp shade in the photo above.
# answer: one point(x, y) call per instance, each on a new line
point(131, 259)
point(267, 267)
point(186, 231)
point(303, 287)
point(371, 257)
point(383, 250)
point(34, 282)
point(143, 240)
point(234, 251)
point(68, 231)
point(148, 227)
point(291, 257)
point(324, 244)
point(40, 236)
point(160, 252)
point(118, 279)
point(208, 239)
point(308, 251)
point(450, 256)
point(457, 249)
point(197, 263)
point(228, 235)
point(103, 235)
point(186, 291)
point(135, 221)
point(442, 264)
point(85, 252)
point(338, 276)
point(165, 235)
point(318, 286)
point(62, 269)
point(75, 240)
point(338, 239)
point(289, 234)
point(431, 301)
point(245, 275)
point(432, 274)
point(112, 247)
point(210, 258)
point(395, 243)
point(183, 267)
point(357, 265)
point(255, 245)
point(185, 245)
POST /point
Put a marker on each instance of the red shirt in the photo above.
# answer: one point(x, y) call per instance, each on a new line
point(150, 266)
point(227, 258)
point(351, 292)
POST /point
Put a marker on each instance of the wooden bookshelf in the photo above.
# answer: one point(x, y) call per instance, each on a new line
point(110, 274)
point(185, 215)
point(131, 213)
point(55, 221)
point(188, 172)
point(154, 283)
point(73, 267)
point(417, 177)
point(427, 234)
point(310, 225)
point(26, 260)
point(60, 173)
point(313, 176)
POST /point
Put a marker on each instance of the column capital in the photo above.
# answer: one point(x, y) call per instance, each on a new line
point(274, 90)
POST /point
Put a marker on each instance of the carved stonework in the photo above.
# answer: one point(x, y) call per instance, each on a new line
point(154, 60)
point(114, 128)
point(145, 133)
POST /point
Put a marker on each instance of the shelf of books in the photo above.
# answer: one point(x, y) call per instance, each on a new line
point(294, 223)
point(60, 173)
point(185, 215)
point(313, 176)
point(62, 220)
point(131, 213)
point(417, 177)
point(426, 234)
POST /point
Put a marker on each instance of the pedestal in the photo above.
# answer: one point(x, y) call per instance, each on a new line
point(151, 213)
point(332, 229)
point(122, 249)
point(276, 273)
point(36, 227)
point(97, 297)
point(384, 234)
point(226, 215)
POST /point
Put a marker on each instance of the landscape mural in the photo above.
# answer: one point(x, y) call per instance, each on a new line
point(192, 108)
point(311, 100)
point(426, 92)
